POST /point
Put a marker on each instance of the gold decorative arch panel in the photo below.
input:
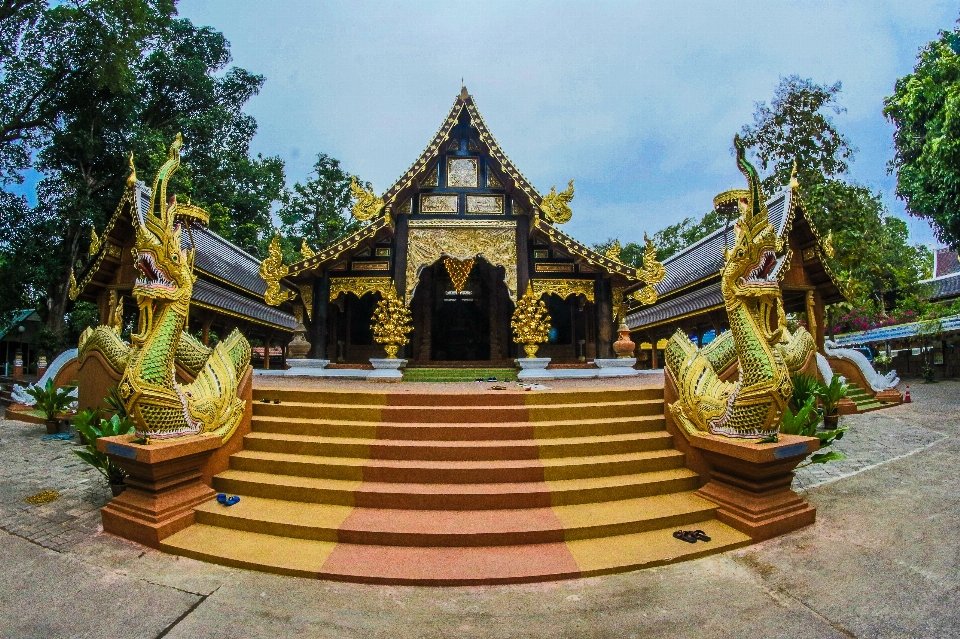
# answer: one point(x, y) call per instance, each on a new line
point(430, 240)
point(563, 288)
point(359, 286)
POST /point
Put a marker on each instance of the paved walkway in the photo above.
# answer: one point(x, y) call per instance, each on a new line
point(881, 561)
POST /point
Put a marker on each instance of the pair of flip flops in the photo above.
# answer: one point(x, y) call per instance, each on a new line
point(691, 536)
point(267, 401)
point(227, 501)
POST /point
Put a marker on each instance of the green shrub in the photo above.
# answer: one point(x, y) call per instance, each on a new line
point(804, 387)
point(832, 393)
point(51, 401)
point(92, 431)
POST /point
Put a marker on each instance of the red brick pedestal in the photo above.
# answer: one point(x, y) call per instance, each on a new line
point(751, 483)
point(163, 486)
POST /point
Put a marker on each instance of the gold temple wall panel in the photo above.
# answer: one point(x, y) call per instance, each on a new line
point(462, 173)
point(359, 286)
point(485, 204)
point(430, 240)
point(563, 288)
point(439, 204)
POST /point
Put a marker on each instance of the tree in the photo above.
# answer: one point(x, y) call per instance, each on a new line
point(925, 108)
point(797, 127)
point(317, 210)
point(173, 83)
point(48, 52)
point(872, 257)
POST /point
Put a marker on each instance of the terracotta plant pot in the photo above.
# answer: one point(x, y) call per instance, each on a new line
point(53, 426)
point(116, 489)
point(830, 422)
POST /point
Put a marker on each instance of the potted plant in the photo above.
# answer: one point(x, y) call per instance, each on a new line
point(804, 422)
point(830, 396)
point(51, 401)
point(93, 431)
point(82, 420)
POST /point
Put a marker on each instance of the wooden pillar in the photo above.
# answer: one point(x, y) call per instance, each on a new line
point(654, 363)
point(321, 293)
point(206, 331)
point(400, 235)
point(523, 254)
point(603, 292)
point(266, 351)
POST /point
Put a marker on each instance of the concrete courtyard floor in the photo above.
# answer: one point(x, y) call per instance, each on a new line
point(882, 560)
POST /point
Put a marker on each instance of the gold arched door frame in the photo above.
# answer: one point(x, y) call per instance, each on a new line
point(430, 240)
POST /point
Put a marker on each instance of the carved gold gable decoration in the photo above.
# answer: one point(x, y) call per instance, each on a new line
point(652, 273)
point(272, 270)
point(459, 271)
point(368, 205)
point(496, 244)
point(556, 206)
point(563, 288)
point(305, 251)
point(359, 286)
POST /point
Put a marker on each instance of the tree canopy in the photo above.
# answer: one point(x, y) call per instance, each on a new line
point(872, 256)
point(317, 211)
point(925, 107)
point(103, 78)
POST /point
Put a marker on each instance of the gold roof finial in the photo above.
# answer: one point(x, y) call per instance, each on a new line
point(132, 178)
point(463, 90)
point(794, 183)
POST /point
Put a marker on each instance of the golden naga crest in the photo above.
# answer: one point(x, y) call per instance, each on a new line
point(613, 252)
point(652, 273)
point(272, 270)
point(368, 205)
point(556, 206)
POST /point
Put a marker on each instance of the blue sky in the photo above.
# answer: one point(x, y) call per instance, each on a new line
point(638, 101)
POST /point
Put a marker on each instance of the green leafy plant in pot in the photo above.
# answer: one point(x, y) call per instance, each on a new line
point(51, 401)
point(830, 396)
point(92, 431)
point(804, 422)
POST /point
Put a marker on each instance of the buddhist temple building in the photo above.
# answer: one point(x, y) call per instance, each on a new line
point(460, 236)
point(689, 297)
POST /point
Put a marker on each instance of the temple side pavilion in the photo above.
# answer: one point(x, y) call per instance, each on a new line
point(460, 235)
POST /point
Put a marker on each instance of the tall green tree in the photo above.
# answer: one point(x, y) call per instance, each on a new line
point(318, 210)
point(925, 107)
point(872, 255)
point(797, 127)
point(177, 81)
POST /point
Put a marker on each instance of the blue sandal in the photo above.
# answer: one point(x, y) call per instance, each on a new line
point(221, 498)
point(231, 501)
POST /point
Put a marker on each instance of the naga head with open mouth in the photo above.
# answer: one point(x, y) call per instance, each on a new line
point(165, 271)
point(752, 270)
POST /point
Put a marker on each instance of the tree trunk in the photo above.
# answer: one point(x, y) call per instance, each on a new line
point(58, 295)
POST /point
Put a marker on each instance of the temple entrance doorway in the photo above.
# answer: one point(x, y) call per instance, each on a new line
point(455, 327)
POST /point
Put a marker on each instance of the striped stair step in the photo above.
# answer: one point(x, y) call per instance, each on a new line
point(433, 488)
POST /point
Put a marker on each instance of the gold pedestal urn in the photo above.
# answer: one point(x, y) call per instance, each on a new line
point(530, 322)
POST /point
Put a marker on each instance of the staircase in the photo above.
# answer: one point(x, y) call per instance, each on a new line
point(863, 399)
point(455, 488)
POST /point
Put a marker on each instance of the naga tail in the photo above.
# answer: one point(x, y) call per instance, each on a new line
point(212, 400)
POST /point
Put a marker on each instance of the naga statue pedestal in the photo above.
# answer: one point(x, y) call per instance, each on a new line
point(751, 483)
point(164, 484)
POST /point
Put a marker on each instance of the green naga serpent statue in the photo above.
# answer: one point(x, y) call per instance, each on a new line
point(158, 405)
point(753, 406)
